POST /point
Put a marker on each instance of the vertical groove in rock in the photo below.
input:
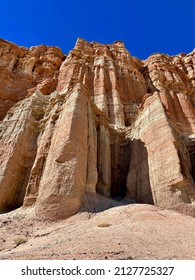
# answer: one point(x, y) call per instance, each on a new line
point(92, 175)
point(120, 160)
point(104, 161)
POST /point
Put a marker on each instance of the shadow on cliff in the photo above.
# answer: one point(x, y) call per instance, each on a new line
point(95, 203)
point(138, 179)
point(137, 188)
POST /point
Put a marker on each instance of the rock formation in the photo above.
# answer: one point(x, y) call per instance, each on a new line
point(95, 121)
point(23, 71)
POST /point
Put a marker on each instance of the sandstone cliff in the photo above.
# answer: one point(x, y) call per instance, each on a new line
point(95, 121)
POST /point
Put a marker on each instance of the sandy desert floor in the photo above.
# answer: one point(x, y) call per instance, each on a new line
point(108, 230)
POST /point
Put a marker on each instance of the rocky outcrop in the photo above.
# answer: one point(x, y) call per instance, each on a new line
point(18, 145)
point(23, 71)
point(159, 168)
point(96, 121)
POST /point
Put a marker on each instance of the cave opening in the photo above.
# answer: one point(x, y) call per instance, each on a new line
point(192, 159)
point(191, 151)
point(120, 160)
point(118, 187)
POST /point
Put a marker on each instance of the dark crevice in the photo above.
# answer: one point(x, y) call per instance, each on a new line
point(139, 187)
point(191, 152)
point(192, 159)
point(120, 159)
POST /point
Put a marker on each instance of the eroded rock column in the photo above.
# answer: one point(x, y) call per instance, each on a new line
point(104, 161)
point(62, 185)
point(18, 145)
point(155, 174)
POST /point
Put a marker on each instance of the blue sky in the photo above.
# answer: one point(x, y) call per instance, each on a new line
point(145, 26)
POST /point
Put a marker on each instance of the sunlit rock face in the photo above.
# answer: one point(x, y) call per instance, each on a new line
point(97, 121)
point(23, 71)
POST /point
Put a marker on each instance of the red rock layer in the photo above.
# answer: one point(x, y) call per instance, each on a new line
point(112, 124)
point(23, 70)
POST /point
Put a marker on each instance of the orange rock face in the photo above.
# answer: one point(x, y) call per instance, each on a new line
point(110, 124)
point(23, 70)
